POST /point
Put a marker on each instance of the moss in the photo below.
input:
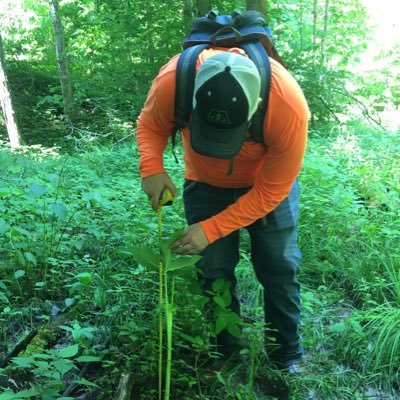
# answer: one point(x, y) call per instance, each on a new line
point(40, 342)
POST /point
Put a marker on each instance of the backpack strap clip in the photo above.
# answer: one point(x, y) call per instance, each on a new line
point(214, 40)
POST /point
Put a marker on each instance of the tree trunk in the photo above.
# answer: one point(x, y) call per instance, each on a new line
point(152, 52)
point(203, 7)
point(6, 104)
point(256, 5)
point(325, 34)
point(187, 14)
point(62, 62)
point(301, 24)
point(315, 19)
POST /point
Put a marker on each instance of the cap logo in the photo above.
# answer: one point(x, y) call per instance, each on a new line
point(218, 117)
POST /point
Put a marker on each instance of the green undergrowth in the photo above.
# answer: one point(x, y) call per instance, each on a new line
point(67, 223)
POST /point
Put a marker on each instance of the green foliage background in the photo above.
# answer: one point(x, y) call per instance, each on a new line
point(71, 209)
point(115, 48)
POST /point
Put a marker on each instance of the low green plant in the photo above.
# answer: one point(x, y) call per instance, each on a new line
point(48, 370)
point(172, 268)
point(371, 340)
point(222, 316)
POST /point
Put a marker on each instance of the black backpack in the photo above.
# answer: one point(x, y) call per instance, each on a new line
point(248, 31)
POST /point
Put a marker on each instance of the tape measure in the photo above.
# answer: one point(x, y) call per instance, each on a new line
point(166, 198)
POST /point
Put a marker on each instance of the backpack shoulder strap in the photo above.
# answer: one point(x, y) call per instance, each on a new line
point(185, 75)
point(257, 53)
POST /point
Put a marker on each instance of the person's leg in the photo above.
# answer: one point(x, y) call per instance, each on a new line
point(276, 257)
point(220, 258)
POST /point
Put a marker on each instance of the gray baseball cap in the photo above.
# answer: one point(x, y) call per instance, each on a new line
point(226, 95)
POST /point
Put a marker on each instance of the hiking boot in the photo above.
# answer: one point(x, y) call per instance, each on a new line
point(290, 367)
point(293, 369)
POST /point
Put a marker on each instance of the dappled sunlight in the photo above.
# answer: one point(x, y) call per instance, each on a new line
point(86, 269)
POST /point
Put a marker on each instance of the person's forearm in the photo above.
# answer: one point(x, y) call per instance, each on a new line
point(151, 148)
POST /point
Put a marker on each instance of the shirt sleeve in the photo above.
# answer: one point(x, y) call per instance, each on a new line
point(156, 121)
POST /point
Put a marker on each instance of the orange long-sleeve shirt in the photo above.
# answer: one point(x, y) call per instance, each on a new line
point(269, 170)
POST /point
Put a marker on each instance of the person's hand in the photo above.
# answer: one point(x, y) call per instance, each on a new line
point(154, 185)
point(193, 241)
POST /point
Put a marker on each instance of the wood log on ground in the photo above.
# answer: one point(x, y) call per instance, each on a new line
point(125, 386)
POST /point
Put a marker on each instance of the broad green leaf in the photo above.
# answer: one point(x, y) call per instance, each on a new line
point(88, 359)
point(235, 318)
point(218, 285)
point(3, 285)
point(68, 352)
point(30, 258)
point(221, 378)
point(85, 278)
point(53, 179)
point(183, 262)
point(197, 340)
point(100, 297)
point(19, 274)
point(69, 302)
point(227, 297)
point(166, 253)
point(220, 324)
point(4, 298)
point(66, 328)
point(37, 190)
point(219, 300)
point(3, 226)
point(63, 366)
point(25, 394)
point(85, 382)
point(42, 356)
point(92, 199)
point(355, 325)
point(5, 192)
point(22, 231)
point(21, 258)
point(23, 362)
point(338, 327)
point(145, 256)
point(234, 329)
point(9, 395)
point(60, 210)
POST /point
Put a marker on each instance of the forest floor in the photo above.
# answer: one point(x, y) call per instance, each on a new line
point(78, 315)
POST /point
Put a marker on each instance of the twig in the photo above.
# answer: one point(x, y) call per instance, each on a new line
point(362, 106)
point(125, 137)
point(82, 373)
point(329, 109)
point(74, 383)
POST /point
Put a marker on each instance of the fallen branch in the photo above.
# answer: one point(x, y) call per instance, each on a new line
point(125, 386)
point(82, 373)
point(21, 346)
